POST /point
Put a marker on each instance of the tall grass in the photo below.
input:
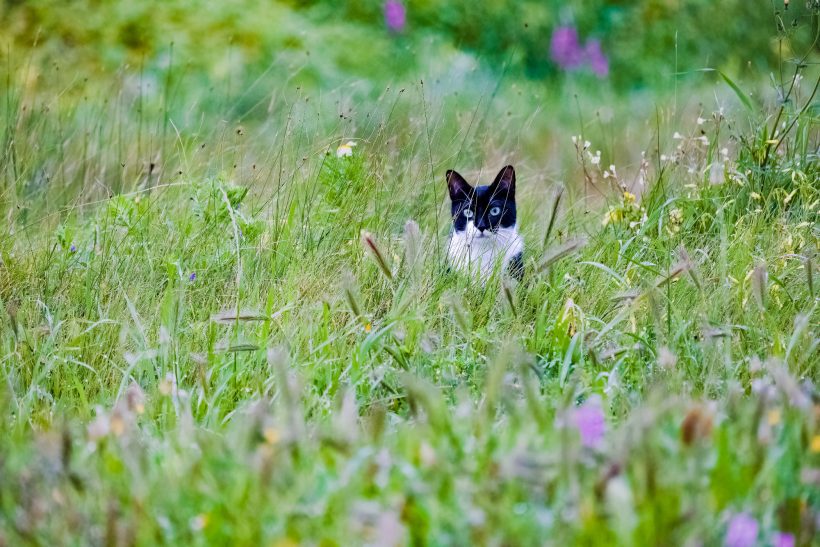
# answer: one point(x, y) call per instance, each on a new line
point(217, 330)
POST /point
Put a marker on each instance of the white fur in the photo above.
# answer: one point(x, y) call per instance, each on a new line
point(478, 254)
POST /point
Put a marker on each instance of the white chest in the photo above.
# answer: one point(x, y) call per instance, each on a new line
point(479, 255)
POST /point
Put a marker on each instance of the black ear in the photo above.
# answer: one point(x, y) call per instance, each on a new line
point(504, 183)
point(459, 188)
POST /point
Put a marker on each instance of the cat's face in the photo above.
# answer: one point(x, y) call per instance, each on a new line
point(483, 209)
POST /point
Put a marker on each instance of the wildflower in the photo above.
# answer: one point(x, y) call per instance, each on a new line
point(815, 444)
point(700, 121)
point(73, 248)
point(742, 531)
point(595, 159)
point(345, 150)
point(756, 196)
point(675, 220)
point(565, 49)
point(271, 435)
point(629, 197)
point(597, 60)
point(676, 216)
point(613, 216)
point(773, 417)
point(192, 277)
point(395, 15)
point(783, 539)
point(589, 420)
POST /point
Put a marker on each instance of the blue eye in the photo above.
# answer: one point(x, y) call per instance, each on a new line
point(468, 213)
point(495, 211)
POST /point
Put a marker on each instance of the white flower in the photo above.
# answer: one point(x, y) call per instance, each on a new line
point(701, 121)
point(595, 159)
point(345, 150)
point(677, 135)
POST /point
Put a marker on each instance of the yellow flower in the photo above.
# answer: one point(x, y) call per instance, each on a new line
point(368, 327)
point(815, 444)
point(271, 435)
point(629, 197)
point(756, 196)
point(612, 216)
point(675, 220)
point(774, 416)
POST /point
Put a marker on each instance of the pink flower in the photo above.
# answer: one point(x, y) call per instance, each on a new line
point(395, 15)
point(742, 531)
point(596, 58)
point(589, 420)
point(565, 49)
point(783, 539)
point(568, 53)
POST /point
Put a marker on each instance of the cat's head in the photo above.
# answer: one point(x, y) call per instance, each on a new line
point(485, 209)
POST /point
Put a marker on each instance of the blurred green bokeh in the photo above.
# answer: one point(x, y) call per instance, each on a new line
point(322, 42)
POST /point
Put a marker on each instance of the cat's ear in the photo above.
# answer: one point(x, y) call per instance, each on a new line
point(504, 183)
point(459, 188)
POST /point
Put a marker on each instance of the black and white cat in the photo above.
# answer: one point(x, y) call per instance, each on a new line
point(484, 235)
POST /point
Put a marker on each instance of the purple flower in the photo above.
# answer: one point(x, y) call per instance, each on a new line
point(742, 531)
point(565, 49)
point(73, 248)
point(783, 539)
point(395, 15)
point(192, 277)
point(596, 58)
point(589, 420)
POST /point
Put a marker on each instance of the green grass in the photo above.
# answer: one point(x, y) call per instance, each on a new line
point(353, 402)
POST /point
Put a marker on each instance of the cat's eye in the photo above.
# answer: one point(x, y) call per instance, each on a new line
point(495, 211)
point(468, 213)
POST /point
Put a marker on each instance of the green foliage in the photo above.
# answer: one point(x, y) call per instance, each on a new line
point(222, 323)
point(647, 42)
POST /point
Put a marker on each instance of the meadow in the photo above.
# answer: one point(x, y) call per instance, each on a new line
point(226, 315)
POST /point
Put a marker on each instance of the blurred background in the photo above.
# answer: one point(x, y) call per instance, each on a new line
point(496, 81)
point(619, 45)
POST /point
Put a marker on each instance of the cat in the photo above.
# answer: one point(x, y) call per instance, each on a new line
point(484, 235)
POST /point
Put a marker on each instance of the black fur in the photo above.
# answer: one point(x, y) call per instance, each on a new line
point(481, 200)
point(516, 266)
